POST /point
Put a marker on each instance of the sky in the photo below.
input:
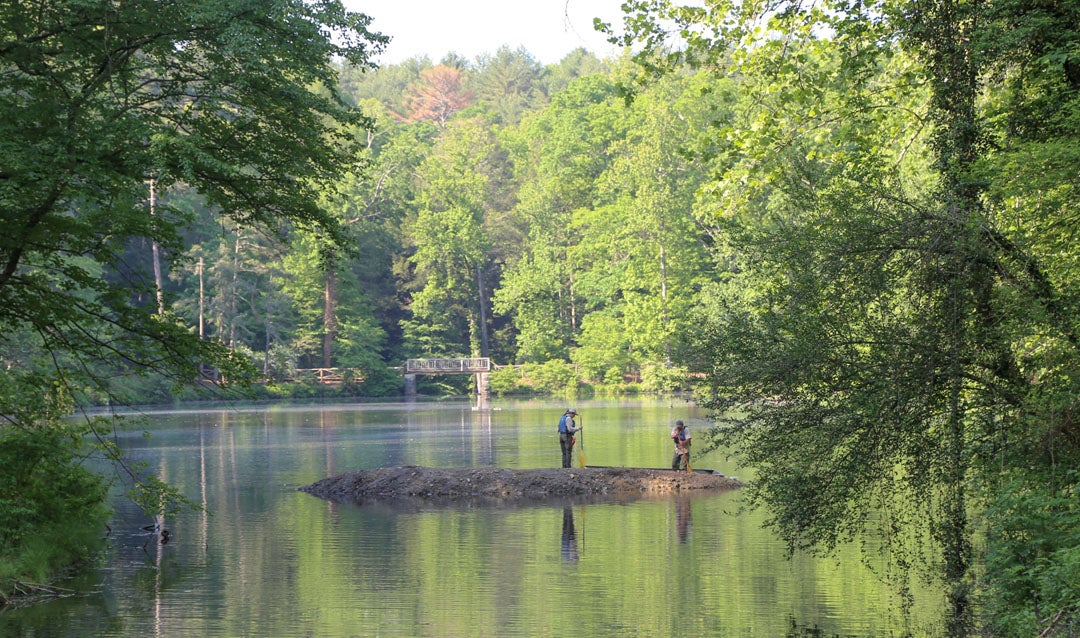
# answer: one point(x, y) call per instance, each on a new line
point(548, 29)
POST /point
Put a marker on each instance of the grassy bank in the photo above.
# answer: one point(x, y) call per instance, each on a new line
point(53, 510)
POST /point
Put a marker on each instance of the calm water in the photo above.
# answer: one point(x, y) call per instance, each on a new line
point(268, 560)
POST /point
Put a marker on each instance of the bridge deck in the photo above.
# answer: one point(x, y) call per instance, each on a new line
point(468, 365)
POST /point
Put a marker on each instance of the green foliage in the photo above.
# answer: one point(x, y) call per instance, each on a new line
point(606, 352)
point(228, 110)
point(504, 381)
point(509, 83)
point(559, 153)
point(577, 63)
point(52, 508)
point(641, 249)
point(871, 261)
point(896, 272)
point(280, 361)
point(258, 149)
point(157, 498)
point(50, 549)
point(451, 237)
point(444, 386)
point(145, 389)
point(1033, 566)
point(553, 377)
point(1033, 559)
point(530, 293)
point(262, 143)
point(381, 382)
point(295, 390)
point(656, 377)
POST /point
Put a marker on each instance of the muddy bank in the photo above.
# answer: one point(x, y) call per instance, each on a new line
point(499, 485)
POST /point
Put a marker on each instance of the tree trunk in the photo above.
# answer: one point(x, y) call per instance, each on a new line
point(329, 319)
point(235, 290)
point(664, 299)
point(202, 301)
point(573, 303)
point(266, 349)
point(202, 311)
point(485, 348)
point(155, 252)
point(946, 31)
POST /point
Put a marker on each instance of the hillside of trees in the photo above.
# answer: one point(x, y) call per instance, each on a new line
point(500, 209)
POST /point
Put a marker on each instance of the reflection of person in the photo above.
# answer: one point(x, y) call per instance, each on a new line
point(682, 519)
point(681, 437)
point(566, 435)
point(569, 536)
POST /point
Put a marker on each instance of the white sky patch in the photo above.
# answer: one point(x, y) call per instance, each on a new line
point(548, 29)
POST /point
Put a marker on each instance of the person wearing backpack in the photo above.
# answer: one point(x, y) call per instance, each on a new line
point(567, 429)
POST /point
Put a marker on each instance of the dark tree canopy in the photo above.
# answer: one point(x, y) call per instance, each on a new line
point(101, 104)
point(234, 99)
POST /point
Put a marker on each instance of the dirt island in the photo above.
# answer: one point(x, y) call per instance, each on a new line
point(501, 485)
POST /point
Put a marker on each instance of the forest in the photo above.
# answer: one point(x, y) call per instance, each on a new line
point(498, 209)
point(850, 227)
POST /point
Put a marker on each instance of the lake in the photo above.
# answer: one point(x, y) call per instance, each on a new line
point(267, 560)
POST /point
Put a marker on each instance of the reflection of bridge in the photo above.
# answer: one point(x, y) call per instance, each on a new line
point(479, 367)
point(328, 376)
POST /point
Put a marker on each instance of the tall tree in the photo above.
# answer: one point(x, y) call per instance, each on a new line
point(509, 82)
point(560, 154)
point(1031, 120)
point(642, 252)
point(388, 84)
point(577, 63)
point(877, 331)
point(451, 236)
point(98, 97)
point(437, 96)
point(377, 204)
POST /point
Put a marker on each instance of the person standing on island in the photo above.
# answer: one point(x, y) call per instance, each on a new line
point(681, 437)
point(566, 435)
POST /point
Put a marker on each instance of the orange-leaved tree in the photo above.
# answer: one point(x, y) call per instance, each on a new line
point(437, 96)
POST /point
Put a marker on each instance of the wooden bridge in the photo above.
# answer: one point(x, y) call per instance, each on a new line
point(448, 366)
point(479, 367)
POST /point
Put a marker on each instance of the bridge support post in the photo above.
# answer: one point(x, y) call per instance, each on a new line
point(483, 389)
point(410, 385)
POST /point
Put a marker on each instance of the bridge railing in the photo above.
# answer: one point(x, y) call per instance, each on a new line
point(448, 366)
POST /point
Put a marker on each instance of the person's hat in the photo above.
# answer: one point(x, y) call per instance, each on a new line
point(678, 422)
point(571, 411)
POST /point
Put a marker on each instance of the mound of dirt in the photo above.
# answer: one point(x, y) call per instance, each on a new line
point(499, 484)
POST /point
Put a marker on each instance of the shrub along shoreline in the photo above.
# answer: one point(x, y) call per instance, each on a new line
point(53, 512)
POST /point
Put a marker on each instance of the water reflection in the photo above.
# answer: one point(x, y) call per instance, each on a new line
point(682, 518)
point(795, 630)
point(271, 561)
point(569, 536)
